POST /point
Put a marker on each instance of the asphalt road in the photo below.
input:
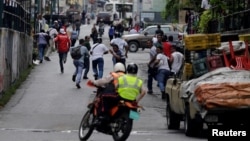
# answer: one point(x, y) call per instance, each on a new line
point(49, 107)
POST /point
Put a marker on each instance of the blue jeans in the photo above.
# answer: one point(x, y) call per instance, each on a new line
point(62, 58)
point(78, 72)
point(152, 73)
point(162, 77)
point(86, 66)
point(41, 49)
point(99, 62)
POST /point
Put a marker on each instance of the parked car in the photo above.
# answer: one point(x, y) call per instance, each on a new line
point(105, 16)
point(139, 40)
point(73, 15)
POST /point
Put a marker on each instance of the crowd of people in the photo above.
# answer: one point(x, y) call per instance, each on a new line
point(164, 59)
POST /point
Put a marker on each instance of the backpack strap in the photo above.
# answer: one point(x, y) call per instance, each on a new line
point(94, 48)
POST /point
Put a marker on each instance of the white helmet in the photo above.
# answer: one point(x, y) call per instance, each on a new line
point(119, 67)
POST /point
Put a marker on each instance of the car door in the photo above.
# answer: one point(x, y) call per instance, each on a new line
point(150, 33)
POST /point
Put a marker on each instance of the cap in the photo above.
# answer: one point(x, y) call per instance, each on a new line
point(62, 31)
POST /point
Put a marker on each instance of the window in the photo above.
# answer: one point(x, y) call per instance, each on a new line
point(165, 29)
point(109, 7)
point(124, 7)
point(151, 31)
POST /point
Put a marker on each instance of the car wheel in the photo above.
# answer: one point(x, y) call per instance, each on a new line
point(133, 46)
point(192, 127)
point(173, 119)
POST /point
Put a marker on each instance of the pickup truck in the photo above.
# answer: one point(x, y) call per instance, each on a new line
point(139, 40)
point(185, 104)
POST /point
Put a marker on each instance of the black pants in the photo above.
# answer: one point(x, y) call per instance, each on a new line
point(86, 66)
point(111, 37)
point(73, 41)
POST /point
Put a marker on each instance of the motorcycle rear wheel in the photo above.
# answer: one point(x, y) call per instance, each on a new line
point(123, 128)
point(86, 128)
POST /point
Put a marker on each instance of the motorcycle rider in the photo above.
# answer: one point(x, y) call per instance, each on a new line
point(130, 87)
point(109, 93)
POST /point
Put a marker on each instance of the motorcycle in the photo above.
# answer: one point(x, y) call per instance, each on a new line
point(118, 125)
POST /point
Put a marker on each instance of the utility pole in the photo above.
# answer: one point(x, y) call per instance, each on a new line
point(1, 14)
point(140, 10)
point(51, 12)
point(36, 10)
point(58, 6)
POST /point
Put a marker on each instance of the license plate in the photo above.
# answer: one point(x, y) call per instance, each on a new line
point(134, 115)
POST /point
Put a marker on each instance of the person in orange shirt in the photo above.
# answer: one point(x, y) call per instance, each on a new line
point(63, 44)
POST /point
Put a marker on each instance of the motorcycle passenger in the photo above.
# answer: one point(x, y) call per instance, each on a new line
point(109, 91)
point(130, 87)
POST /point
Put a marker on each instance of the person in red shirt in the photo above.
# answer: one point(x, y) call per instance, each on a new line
point(63, 44)
point(166, 46)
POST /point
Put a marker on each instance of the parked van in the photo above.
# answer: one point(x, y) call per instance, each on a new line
point(73, 15)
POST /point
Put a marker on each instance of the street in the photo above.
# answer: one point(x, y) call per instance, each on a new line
point(49, 107)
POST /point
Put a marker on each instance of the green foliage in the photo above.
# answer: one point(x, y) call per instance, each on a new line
point(219, 6)
point(204, 19)
point(171, 10)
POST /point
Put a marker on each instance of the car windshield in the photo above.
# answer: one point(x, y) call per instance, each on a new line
point(151, 30)
point(166, 29)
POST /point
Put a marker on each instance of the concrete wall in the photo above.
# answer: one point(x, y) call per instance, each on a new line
point(15, 56)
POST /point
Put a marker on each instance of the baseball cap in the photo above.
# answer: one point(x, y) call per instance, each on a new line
point(62, 31)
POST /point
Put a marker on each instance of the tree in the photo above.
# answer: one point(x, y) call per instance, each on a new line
point(173, 6)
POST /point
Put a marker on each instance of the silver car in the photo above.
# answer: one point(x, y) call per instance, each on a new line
point(139, 40)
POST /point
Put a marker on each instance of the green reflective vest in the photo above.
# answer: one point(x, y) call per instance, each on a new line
point(129, 87)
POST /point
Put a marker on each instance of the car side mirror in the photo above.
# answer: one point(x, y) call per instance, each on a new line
point(146, 33)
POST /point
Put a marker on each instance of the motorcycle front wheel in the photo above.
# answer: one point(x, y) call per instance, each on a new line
point(122, 128)
point(86, 128)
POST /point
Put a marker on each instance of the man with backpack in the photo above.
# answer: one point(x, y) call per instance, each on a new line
point(78, 53)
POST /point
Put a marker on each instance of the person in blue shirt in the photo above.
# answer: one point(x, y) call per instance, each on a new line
point(111, 32)
point(117, 55)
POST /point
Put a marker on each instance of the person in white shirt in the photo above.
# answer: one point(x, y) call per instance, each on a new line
point(52, 33)
point(122, 44)
point(152, 71)
point(163, 70)
point(155, 40)
point(176, 61)
point(97, 51)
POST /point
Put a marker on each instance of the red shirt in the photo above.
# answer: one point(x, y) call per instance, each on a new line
point(167, 49)
point(63, 43)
